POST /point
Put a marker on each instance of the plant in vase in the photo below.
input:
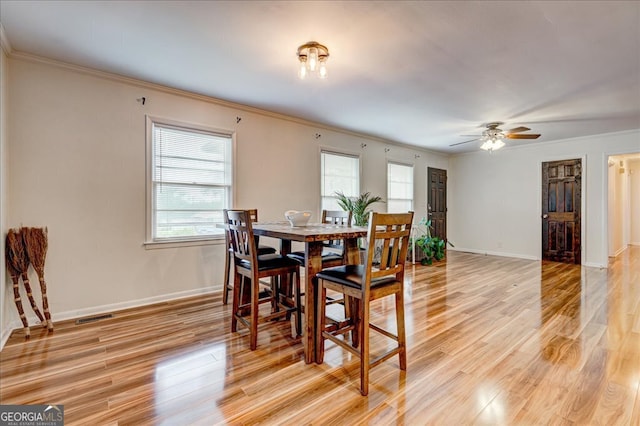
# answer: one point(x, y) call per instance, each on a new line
point(432, 248)
point(359, 207)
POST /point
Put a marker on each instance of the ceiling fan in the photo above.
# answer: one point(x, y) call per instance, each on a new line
point(493, 136)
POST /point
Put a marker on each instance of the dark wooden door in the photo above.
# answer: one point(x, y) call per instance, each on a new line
point(561, 198)
point(437, 201)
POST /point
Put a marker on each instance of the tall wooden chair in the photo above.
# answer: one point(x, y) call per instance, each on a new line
point(229, 254)
point(382, 275)
point(251, 266)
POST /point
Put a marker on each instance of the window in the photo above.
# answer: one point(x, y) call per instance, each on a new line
point(399, 188)
point(339, 172)
point(190, 181)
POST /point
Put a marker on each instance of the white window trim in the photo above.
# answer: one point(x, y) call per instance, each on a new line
point(413, 168)
point(149, 243)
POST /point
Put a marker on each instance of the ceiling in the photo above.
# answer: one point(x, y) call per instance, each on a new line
point(417, 73)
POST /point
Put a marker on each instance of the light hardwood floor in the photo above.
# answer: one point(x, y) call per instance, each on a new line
point(491, 340)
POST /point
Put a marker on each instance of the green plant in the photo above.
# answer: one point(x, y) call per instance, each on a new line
point(433, 248)
point(359, 207)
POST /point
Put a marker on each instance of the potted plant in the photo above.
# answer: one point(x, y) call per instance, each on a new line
point(427, 247)
point(359, 207)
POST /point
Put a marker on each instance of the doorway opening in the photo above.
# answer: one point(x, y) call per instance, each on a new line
point(623, 202)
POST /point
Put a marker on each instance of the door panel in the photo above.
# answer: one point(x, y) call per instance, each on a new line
point(437, 201)
point(561, 216)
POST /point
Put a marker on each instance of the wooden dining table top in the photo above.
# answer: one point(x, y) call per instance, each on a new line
point(310, 232)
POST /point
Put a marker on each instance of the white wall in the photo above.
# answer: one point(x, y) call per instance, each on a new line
point(77, 150)
point(634, 201)
point(495, 199)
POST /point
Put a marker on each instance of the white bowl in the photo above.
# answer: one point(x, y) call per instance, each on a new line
point(297, 218)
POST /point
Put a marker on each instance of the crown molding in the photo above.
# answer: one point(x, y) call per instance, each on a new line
point(4, 41)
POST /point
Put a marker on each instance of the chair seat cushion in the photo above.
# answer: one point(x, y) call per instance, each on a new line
point(351, 275)
point(265, 250)
point(327, 255)
point(271, 261)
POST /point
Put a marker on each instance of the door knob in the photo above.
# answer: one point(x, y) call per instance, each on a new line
point(545, 216)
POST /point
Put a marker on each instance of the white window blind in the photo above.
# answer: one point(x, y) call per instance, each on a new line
point(341, 173)
point(399, 188)
point(190, 182)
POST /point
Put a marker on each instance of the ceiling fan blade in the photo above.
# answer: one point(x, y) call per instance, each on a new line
point(531, 136)
point(460, 143)
point(518, 130)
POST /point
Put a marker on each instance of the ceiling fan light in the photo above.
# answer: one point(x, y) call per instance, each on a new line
point(492, 144)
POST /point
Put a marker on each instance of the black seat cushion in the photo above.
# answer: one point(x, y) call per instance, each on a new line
point(265, 250)
point(351, 275)
point(327, 255)
point(271, 261)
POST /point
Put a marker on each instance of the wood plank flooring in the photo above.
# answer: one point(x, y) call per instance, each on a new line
point(491, 341)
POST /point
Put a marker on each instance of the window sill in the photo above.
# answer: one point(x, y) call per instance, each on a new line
point(153, 245)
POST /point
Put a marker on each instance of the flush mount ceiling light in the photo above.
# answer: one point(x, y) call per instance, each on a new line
point(313, 58)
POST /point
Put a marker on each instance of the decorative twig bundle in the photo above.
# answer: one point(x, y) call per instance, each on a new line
point(36, 244)
point(15, 277)
point(18, 259)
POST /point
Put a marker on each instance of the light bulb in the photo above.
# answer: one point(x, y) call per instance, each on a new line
point(302, 71)
point(322, 71)
point(313, 58)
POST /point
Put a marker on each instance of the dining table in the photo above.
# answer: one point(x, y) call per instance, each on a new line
point(312, 235)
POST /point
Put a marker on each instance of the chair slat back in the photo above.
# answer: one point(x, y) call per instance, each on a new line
point(240, 234)
point(336, 217)
point(387, 244)
point(253, 216)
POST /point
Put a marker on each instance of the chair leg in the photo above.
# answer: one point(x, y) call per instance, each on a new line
point(364, 349)
point(352, 307)
point(320, 320)
point(402, 355)
point(274, 283)
point(255, 290)
point(296, 276)
point(235, 307)
point(225, 284)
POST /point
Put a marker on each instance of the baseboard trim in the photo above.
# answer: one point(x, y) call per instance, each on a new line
point(595, 265)
point(96, 310)
point(494, 253)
